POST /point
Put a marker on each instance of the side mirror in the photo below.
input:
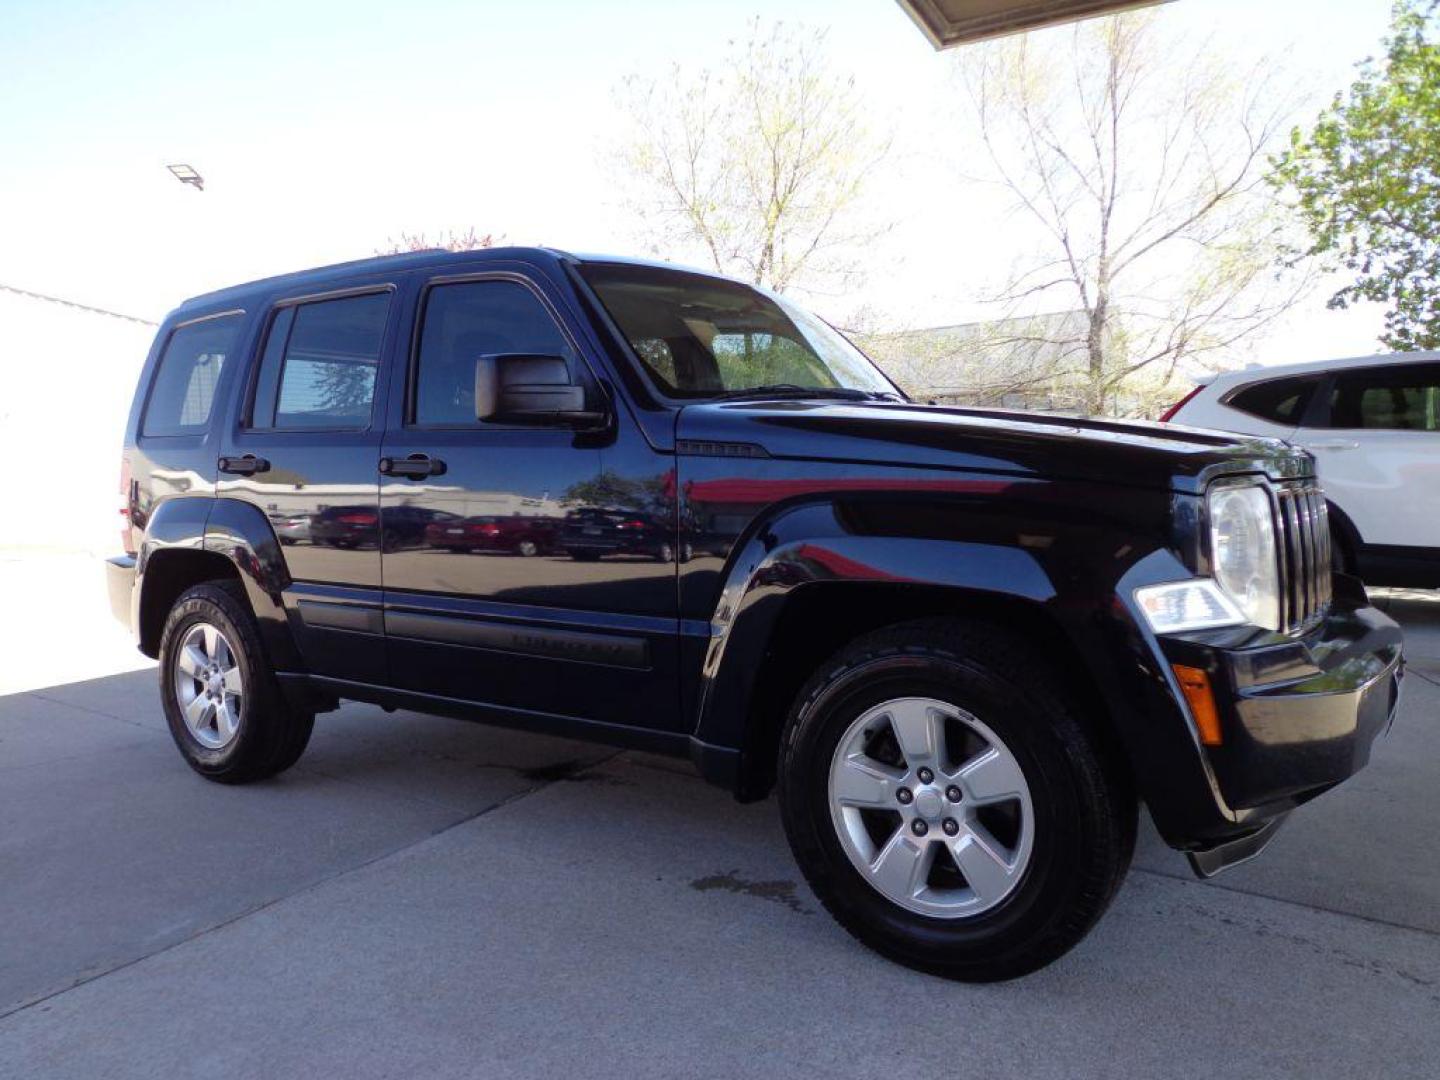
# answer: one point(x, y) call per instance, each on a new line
point(523, 388)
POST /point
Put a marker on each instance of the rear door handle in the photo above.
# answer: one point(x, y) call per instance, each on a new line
point(414, 467)
point(248, 465)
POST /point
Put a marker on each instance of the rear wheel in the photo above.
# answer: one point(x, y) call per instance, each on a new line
point(948, 807)
point(221, 699)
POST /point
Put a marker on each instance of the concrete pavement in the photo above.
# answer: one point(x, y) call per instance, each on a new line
point(425, 897)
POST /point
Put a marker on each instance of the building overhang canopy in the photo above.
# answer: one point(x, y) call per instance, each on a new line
point(948, 23)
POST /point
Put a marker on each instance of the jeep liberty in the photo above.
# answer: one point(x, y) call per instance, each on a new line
point(962, 646)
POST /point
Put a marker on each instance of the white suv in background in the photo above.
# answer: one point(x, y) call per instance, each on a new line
point(1373, 424)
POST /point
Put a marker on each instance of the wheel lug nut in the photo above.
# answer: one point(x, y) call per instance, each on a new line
point(953, 793)
point(925, 776)
point(905, 795)
point(919, 828)
point(950, 827)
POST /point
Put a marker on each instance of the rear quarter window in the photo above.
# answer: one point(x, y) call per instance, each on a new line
point(1281, 401)
point(182, 394)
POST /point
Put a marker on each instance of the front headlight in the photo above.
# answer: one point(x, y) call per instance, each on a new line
point(1243, 556)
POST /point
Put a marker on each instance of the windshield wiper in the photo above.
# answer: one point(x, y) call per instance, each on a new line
point(793, 390)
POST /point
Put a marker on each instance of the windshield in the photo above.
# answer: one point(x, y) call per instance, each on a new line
point(704, 337)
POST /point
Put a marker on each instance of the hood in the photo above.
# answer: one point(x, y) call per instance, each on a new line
point(1137, 453)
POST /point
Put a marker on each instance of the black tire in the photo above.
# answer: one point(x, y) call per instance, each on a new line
point(271, 735)
point(1084, 807)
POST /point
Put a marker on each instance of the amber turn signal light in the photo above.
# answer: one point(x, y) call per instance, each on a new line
point(1195, 685)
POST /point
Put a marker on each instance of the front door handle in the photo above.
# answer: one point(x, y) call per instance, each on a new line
point(1335, 444)
point(414, 467)
point(248, 465)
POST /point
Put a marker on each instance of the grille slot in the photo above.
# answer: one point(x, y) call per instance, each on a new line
point(1304, 541)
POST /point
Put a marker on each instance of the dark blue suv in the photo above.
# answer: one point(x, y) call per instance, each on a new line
point(962, 645)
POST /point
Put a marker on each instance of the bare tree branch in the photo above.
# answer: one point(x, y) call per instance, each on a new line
point(1147, 194)
point(762, 162)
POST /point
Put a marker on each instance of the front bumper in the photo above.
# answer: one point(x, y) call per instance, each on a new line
point(1298, 715)
point(120, 585)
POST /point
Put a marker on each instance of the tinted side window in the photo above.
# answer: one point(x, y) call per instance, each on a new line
point(183, 392)
point(1394, 399)
point(1281, 401)
point(319, 365)
point(468, 320)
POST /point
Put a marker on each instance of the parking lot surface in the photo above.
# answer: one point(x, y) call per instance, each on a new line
point(426, 897)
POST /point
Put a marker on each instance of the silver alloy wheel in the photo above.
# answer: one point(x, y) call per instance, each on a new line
point(921, 832)
point(208, 686)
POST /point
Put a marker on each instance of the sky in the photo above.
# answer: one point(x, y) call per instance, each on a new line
point(322, 129)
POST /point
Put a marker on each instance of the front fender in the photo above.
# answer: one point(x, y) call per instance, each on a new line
point(810, 544)
point(1063, 570)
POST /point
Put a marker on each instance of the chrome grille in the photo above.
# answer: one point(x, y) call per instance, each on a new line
point(1304, 542)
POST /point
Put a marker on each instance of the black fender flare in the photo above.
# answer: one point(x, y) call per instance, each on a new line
point(1076, 587)
point(240, 533)
point(1344, 530)
point(805, 546)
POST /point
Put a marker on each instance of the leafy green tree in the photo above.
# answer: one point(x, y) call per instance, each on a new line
point(1366, 181)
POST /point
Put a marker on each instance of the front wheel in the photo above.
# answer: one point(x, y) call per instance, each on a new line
point(221, 699)
point(947, 805)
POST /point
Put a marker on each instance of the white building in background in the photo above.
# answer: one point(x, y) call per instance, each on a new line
point(1005, 363)
point(67, 375)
